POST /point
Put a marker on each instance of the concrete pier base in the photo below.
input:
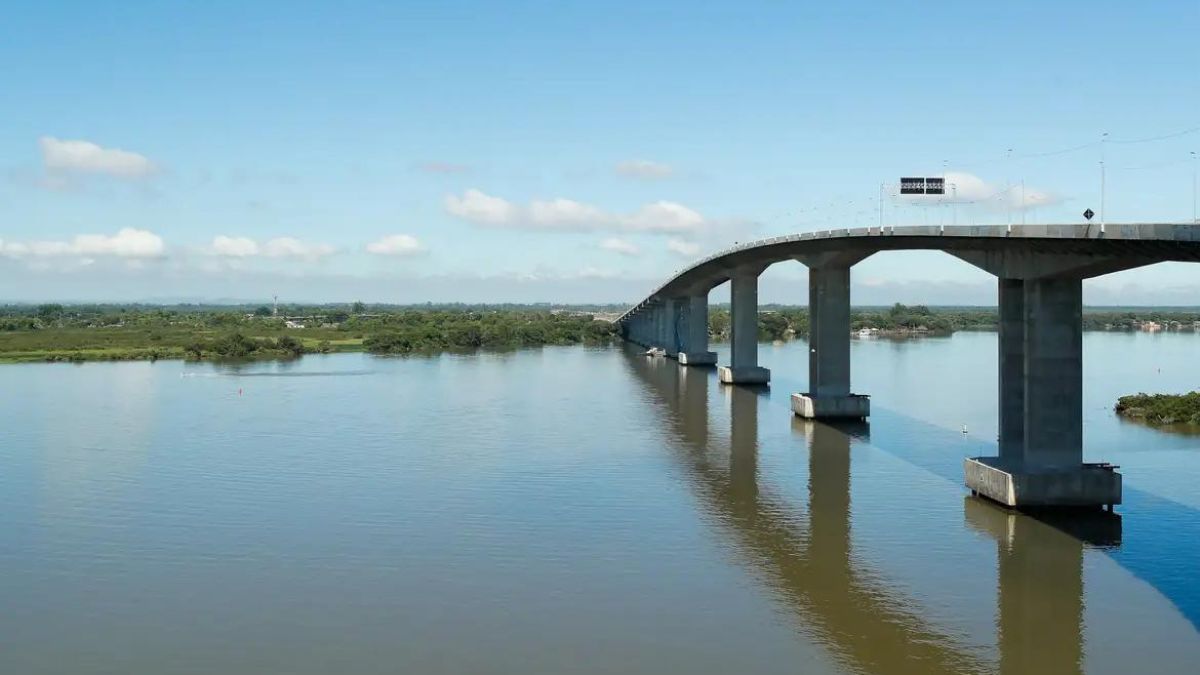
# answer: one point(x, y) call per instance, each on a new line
point(1009, 484)
point(744, 375)
point(851, 406)
point(698, 358)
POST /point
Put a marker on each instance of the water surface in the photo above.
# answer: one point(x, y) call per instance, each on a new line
point(576, 510)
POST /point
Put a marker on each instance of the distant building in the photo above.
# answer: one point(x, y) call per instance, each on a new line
point(293, 324)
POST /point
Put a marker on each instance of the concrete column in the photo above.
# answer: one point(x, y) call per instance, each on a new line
point(829, 331)
point(1047, 468)
point(659, 327)
point(1011, 341)
point(1053, 374)
point(696, 352)
point(828, 393)
point(743, 321)
point(670, 334)
point(743, 324)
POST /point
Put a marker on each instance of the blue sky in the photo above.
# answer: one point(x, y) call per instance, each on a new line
point(550, 151)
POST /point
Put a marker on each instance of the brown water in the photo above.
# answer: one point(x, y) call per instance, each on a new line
point(574, 510)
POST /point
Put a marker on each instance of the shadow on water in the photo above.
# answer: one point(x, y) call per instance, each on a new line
point(807, 562)
point(1154, 538)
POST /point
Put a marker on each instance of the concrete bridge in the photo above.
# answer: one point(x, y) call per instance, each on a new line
point(1040, 270)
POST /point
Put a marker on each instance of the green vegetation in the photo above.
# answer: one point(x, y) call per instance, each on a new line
point(784, 323)
point(139, 332)
point(1161, 409)
point(54, 332)
point(407, 332)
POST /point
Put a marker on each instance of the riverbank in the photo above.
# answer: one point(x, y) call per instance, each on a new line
point(54, 333)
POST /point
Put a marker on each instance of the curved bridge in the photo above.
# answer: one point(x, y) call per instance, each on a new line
point(1040, 270)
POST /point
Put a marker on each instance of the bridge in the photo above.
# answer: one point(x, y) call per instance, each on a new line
point(1040, 271)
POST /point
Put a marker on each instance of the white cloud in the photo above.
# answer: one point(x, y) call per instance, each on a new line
point(620, 246)
point(234, 247)
point(568, 215)
point(644, 168)
point(666, 217)
point(127, 243)
point(683, 247)
point(478, 207)
point(396, 245)
point(290, 247)
point(86, 157)
point(967, 188)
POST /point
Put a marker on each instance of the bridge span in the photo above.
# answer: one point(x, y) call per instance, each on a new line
point(1040, 270)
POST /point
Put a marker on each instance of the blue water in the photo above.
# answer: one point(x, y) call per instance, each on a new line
point(575, 510)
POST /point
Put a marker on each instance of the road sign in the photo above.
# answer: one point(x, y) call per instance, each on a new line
point(1088, 214)
point(912, 186)
point(935, 186)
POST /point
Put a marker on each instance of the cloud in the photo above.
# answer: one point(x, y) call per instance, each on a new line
point(290, 247)
point(443, 167)
point(279, 247)
point(234, 247)
point(85, 157)
point(477, 207)
point(683, 247)
point(396, 245)
point(645, 169)
point(661, 217)
point(967, 188)
point(666, 217)
point(127, 243)
point(620, 246)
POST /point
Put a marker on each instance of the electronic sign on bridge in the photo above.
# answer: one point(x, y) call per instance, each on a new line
point(922, 186)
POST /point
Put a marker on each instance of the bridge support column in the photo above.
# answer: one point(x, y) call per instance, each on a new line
point(670, 327)
point(743, 365)
point(1046, 467)
point(658, 326)
point(1011, 339)
point(695, 346)
point(828, 394)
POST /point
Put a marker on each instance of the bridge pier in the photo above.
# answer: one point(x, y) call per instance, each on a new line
point(828, 394)
point(743, 365)
point(694, 351)
point(1040, 461)
point(669, 327)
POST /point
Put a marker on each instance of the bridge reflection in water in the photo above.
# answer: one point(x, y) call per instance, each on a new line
point(808, 562)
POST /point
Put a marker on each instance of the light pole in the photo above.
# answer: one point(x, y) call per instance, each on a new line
point(953, 203)
point(1008, 188)
point(881, 207)
point(1103, 141)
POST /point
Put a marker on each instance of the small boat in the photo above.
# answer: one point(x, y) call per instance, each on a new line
point(656, 351)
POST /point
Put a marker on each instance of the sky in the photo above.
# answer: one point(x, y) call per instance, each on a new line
point(569, 152)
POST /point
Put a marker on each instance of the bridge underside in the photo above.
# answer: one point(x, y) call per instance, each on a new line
point(1040, 270)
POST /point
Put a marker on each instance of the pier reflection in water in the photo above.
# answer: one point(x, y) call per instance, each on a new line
point(804, 551)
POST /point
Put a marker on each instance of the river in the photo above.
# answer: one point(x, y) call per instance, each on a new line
point(577, 510)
